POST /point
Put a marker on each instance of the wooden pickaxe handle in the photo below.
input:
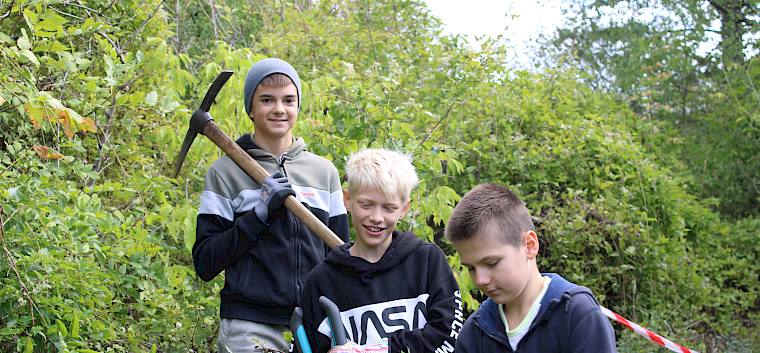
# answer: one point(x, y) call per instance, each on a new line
point(252, 168)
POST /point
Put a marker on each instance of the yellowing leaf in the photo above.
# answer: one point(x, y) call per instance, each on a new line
point(71, 121)
point(43, 106)
point(45, 152)
point(64, 118)
point(2, 100)
point(88, 124)
point(78, 121)
point(36, 114)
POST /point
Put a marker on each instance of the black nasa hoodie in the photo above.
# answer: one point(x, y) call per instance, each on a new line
point(409, 297)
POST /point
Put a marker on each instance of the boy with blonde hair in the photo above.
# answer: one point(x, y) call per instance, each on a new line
point(388, 285)
point(526, 311)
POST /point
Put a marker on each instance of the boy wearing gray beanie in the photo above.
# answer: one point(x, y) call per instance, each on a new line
point(242, 229)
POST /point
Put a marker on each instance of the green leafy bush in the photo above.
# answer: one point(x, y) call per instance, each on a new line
point(96, 99)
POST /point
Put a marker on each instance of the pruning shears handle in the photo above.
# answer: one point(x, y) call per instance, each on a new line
point(299, 333)
point(333, 319)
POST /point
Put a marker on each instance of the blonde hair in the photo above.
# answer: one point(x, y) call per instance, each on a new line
point(388, 171)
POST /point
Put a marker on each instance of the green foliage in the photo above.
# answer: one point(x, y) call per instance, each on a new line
point(689, 68)
point(96, 99)
point(94, 235)
point(724, 143)
point(94, 272)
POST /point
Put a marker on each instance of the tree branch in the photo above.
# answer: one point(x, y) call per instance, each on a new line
point(3, 172)
point(10, 9)
point(369, 31)
point(213, 19)
point(142, 25)
point(107, 8)
point(718, 6)
point(81, 6)
point(438, 123)
point(115, 46)
point(12, 264)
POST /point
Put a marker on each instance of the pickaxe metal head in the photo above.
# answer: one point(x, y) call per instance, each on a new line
point(200, 118)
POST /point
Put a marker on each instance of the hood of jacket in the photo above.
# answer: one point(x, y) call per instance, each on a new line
point(401, 246)
point(246, 142)
point(560, 290)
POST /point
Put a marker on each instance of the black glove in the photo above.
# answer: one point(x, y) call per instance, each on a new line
point(274, 190)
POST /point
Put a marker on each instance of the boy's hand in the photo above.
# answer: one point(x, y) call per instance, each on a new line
point(274, 190)
point(352, 347)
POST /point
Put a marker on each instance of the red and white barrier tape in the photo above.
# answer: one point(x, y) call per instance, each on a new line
point(662, 341)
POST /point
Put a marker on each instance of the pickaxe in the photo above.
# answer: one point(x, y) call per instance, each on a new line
point(202, 122)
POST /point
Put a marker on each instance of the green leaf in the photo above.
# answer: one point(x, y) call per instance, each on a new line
point(61, 328)
point(29, 345)
point(75, 325)
point(151, 98)
point(26, 53)
point(51, 22)
point(4, 38)
point(23, 41)
point(189, 230)
point(168, 104)
point(90, 24)
point(30, 18)
point(68, 61)
point(52, 46)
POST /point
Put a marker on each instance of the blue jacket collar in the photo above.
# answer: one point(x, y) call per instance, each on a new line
point(560, 290)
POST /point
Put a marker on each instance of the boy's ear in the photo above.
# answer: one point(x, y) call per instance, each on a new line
point(530, 240)
point(406, 208)
point(347, 200)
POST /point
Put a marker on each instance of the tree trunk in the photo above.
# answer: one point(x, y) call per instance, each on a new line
point(732, 30)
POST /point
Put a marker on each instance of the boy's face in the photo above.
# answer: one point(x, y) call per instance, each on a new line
point(501, 271)
point(374, 217)
point(274, 111)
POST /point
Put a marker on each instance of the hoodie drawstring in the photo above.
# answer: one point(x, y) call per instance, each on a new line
point(281, 162)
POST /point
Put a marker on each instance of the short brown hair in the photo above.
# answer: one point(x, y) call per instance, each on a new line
point(276, 80)
point(488, 204)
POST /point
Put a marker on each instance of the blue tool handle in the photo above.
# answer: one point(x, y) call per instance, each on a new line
point(333, 317)
point(299, 333)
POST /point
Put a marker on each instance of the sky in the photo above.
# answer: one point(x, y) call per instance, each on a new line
point(519, 21)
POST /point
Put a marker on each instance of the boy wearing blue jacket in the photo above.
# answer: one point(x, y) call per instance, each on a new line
point(526, 311)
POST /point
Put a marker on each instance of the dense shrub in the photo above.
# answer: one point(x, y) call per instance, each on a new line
point(95, 102)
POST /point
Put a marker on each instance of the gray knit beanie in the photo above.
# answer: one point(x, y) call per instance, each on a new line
point(264, 68)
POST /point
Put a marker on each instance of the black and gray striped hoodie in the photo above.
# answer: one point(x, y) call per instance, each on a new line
point(264, 266)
